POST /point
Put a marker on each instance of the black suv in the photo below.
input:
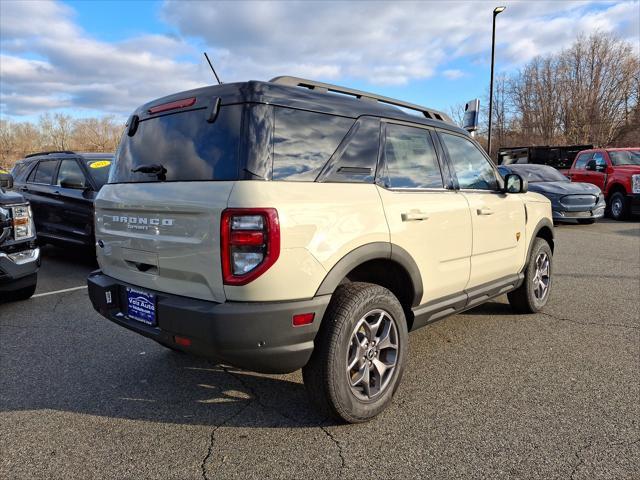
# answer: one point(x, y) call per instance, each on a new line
point(61, 187)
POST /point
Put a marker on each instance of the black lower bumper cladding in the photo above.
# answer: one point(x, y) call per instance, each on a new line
point(257, 336)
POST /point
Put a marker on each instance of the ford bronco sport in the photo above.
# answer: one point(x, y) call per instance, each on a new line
point(295, 224)
point(19, 257)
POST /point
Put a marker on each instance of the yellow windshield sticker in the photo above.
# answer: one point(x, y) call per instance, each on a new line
point(100, 164)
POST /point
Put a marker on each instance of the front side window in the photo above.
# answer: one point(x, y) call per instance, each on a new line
point(304, 141)
point(599, 159)
point(583, 159)
point(471, 167)
point(43, 173)
point(70, 172)
point(410, 158)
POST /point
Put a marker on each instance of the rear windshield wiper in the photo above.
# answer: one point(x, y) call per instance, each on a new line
point(154, 169)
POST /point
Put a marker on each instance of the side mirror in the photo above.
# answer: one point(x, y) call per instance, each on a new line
point(591, 166)
point(6, 180)
point(72, 181)
point(514, 183)
point(600, 167)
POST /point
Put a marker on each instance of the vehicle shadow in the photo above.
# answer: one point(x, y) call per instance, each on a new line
point(80, 256)
point(155, 385)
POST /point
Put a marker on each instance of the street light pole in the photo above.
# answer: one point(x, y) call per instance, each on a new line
point(496, 11)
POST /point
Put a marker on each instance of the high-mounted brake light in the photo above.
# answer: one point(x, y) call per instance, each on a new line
point(249, 243)
point(185, 102)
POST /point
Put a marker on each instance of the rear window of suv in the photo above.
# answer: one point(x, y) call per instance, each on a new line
point(185, 144)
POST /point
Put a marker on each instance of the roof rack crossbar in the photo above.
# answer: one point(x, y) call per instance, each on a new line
point(327, 87)
point(38, 154)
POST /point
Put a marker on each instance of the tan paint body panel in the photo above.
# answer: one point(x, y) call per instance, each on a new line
point(497, 220)
point(184, 256)
point(436, 231)
point(320, 223)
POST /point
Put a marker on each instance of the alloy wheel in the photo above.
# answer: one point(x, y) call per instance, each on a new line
point(372, 355)
point(542, 276)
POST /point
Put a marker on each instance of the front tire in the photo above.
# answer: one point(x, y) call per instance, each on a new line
point(359, 355)
point(533, 294)
point(618, 206)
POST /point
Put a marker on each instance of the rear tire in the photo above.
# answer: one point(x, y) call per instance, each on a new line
point(618, 206)
point(533, 294)
point(586, 221)
point(364, 328)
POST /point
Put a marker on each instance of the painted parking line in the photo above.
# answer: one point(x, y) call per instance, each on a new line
point(58, 291)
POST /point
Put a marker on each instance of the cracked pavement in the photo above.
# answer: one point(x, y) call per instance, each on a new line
point(486, 394)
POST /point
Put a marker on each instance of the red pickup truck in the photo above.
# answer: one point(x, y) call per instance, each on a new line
point(617, 172)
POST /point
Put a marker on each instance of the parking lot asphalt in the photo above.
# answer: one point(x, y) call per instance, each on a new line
point(486, 394)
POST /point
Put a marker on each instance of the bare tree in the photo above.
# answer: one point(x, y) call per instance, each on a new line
point(587, 93)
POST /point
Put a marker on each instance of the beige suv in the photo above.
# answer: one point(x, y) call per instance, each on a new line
point(294, 224)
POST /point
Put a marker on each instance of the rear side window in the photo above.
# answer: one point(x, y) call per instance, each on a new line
point(410, 158)
point(43, 173)
point(185, 144)
point(583, 159)
point(304, 141)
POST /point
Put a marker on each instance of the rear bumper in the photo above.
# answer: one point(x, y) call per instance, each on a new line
point(18, 269)
point(634, 203)
point(256, 336)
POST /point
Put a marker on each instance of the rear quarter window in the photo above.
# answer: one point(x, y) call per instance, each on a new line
point(304, 141)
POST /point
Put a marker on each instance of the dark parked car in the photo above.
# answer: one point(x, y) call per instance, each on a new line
point(19, 256)
point(583, 202)
point(61, 187)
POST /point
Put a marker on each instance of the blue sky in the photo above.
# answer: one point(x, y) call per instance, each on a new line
point(91, 58)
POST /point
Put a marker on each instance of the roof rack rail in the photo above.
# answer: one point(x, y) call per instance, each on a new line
point(38, 154)
point(327, 87)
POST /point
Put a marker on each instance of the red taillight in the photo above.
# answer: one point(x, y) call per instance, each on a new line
point(249, 243)
point(185, 102)
point(303, 319)
point(182, 341)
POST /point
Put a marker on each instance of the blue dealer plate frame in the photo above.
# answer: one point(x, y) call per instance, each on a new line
point(141, 306)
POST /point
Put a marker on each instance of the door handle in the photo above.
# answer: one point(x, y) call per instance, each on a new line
point(485, 211)
point(414, 216)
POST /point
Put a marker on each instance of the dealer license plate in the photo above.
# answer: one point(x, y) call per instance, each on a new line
point(141, 306)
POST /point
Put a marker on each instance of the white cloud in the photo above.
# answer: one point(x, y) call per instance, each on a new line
point(48, 61)
point(453, 74)
point(74, 70)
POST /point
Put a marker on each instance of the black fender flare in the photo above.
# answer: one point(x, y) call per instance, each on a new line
point(544, 222)
point(373, 251)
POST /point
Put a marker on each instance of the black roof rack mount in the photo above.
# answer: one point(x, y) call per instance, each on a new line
point(327, 87)
point(49, 153)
